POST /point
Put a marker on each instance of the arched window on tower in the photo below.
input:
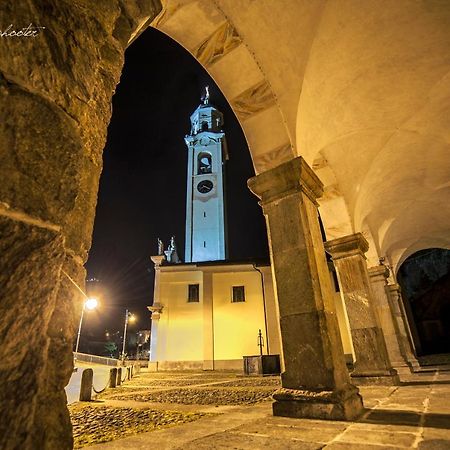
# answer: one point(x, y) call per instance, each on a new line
point(204, 126)
point(204, 163)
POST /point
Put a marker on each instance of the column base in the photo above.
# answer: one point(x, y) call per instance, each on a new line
point(345, 404)
point(383, 378)
point(414, 365)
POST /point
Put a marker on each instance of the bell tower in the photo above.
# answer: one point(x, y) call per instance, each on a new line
point(205, 206)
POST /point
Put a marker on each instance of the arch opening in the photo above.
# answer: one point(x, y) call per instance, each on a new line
point(142, 194)
point(425, 281)
point(204, 164)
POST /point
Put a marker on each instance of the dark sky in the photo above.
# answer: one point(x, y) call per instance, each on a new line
point(143, 184)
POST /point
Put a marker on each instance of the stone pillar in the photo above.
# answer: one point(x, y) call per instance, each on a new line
point(156, 311)
point(378, 279)
point(315, 381)
point(372, 365)
point(401, 323)
point(112, 378)
point(52, 133)
point(87, 378)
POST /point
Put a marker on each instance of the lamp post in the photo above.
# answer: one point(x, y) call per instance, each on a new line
point(128, 318)
point(90, 303)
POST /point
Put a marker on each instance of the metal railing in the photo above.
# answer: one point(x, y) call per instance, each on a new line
point(84, 357)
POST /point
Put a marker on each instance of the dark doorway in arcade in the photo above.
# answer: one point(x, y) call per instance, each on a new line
point(425, 281)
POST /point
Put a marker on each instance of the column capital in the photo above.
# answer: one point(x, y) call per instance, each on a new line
point(345, 246)
point(286, 179)
point(158, 260)
point(380, 272)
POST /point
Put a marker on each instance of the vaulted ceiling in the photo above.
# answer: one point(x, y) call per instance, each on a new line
point(360, 89)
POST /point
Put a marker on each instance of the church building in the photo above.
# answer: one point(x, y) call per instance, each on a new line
point(208, 311)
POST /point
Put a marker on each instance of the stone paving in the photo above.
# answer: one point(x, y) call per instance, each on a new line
point(203, 396)
point(226, 411)
point(94, 424)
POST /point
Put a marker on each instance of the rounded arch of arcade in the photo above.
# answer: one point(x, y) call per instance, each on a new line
point(204, 30)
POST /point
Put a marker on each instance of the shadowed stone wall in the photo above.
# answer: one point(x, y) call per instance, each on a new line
point(55, 105)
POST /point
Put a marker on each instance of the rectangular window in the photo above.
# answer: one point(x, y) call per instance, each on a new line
point(194, 293)
point(238, 294)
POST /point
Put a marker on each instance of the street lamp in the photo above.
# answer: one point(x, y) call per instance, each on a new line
point(90, 303)
point(128, 318)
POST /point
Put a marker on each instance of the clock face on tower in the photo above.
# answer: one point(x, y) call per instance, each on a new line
point(204, 186)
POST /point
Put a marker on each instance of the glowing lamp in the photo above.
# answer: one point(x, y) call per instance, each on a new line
point(91, 303)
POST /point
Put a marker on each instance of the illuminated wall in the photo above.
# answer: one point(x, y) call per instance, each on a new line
point(214, 331)
point(236, 325)
point(180, 336)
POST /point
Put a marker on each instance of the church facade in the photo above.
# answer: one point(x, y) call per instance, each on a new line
point(207, 315)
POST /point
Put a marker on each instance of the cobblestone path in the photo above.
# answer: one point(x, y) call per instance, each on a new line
point(152, 401)
point(210, 411)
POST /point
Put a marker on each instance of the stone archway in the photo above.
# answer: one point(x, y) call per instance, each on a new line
point(51, 175)
point(260, 107)
point(222, 51)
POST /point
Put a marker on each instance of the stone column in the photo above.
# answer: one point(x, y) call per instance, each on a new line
point(401, 323)
point(378, 279)
point(372, 365)
point(315, 380)
point(55, 105)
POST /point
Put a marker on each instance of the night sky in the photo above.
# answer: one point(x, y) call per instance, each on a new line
point(143, 184)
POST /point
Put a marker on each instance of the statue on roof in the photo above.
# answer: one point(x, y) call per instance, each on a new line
point(160, 247)
point(171, 252)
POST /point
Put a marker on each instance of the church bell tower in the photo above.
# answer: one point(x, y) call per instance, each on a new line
point(205, 206)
